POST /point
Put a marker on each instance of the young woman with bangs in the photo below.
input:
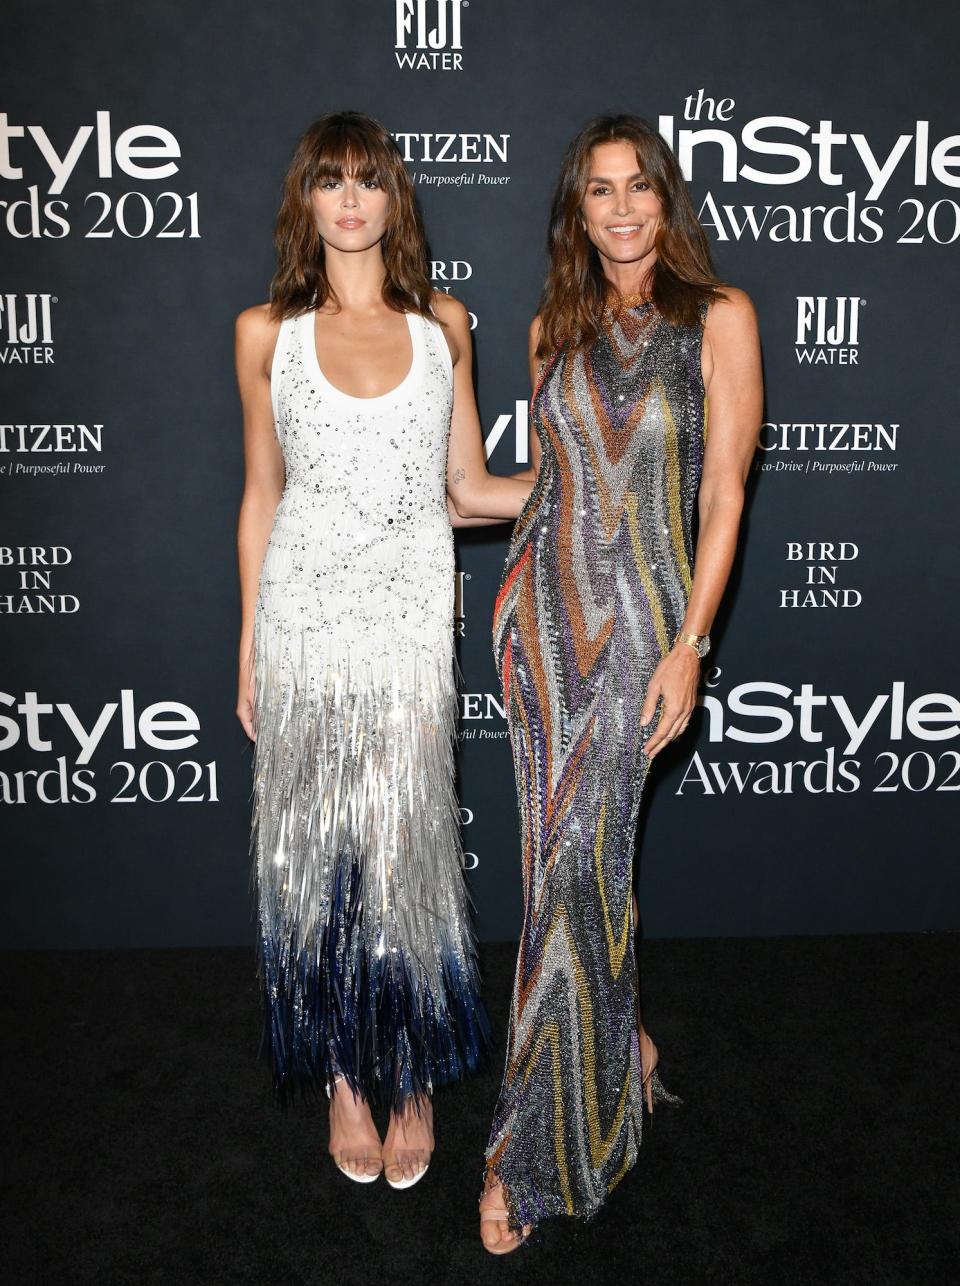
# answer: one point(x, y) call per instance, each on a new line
point(362, 443)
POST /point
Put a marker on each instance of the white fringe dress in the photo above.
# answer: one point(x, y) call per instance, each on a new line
point(366, 950)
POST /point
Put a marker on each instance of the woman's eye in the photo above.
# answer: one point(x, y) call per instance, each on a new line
point(370, 183)
point(599, 192)
point(327, 184)
point(642, 185)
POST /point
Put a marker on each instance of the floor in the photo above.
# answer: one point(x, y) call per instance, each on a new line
point(818, 1140)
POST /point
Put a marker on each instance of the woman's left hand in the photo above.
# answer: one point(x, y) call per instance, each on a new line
point(675, 679)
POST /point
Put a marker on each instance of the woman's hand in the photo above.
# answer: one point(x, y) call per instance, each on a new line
point(245, 699)
point(675, 679)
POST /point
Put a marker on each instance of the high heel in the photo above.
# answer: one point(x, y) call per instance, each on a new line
point(358, 1176)
point(650, 1083)
point(500, 1214)
point(388, 1165)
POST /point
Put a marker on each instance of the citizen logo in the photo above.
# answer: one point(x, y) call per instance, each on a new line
point(828, 329)
point(481, 705)
point(58, 438)
point(429, 34)
point(453, 149)
point(825, 436)
point(26, 330)
point(480, 708)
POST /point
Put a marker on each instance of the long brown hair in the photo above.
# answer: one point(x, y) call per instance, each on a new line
point(355, 144)
point(576, 290)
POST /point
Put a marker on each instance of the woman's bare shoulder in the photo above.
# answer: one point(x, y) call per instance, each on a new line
point(732, 310)
point(449, 309)
point(256, 333)
point(257, 323)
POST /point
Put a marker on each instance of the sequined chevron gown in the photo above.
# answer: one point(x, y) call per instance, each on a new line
point(594, 590)
point(366, 950)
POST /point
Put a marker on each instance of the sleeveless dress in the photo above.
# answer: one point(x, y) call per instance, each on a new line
point(366, 950)
point(594, 590)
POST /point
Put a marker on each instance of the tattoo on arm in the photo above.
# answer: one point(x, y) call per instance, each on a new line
point(459, 475)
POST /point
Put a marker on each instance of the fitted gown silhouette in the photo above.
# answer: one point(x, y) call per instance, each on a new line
point(594, 590)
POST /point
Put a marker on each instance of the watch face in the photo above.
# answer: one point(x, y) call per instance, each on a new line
point(703, 647)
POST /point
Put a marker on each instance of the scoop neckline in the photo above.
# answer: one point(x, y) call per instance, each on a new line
point(309, 338)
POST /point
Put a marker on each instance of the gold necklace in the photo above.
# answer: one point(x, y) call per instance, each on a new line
point(619, 304)
point(632, 301)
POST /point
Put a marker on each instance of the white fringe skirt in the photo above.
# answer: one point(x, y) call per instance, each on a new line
point(366, 951)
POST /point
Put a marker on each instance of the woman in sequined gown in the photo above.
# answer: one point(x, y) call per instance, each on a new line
point(599, 629)
point(361, 441)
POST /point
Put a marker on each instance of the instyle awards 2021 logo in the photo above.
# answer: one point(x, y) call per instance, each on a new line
point(111, 753)
point(888, 743)
point(39, 183)
point(864, 180)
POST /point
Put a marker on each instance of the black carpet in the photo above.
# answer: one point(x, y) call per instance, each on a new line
point(817, 1143)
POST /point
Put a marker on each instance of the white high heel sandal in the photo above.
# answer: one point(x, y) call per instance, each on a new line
point(351, 1174)
point(403, 1181)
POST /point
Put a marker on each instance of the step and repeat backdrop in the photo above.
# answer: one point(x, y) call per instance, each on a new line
point(142, 147)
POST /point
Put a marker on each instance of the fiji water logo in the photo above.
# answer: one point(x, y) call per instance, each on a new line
point(429, 34)
point(828, 329)
point(26, 329)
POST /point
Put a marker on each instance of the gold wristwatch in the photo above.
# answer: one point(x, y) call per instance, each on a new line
point(699, 642)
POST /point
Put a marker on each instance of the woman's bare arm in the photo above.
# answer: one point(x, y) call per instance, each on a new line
point(255, 340)
point(734, 385)
point(478, 497)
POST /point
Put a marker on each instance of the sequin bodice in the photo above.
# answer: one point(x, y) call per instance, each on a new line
point(622, 430)
point(361, 539)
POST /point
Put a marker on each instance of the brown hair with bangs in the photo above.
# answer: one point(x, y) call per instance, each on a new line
point(357, 145)
point(576, 290)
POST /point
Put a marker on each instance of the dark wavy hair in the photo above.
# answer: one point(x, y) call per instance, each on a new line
point(357, 145)
point(576, 290)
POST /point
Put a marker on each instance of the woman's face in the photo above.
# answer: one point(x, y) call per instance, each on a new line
point(351, 213)
point(620, 211)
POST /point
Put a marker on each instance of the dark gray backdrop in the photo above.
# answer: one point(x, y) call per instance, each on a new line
point(757, 823)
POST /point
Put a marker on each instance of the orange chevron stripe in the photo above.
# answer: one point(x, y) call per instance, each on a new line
point(508, 583)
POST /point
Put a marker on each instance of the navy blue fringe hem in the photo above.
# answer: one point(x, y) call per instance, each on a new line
point(336, 1009)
